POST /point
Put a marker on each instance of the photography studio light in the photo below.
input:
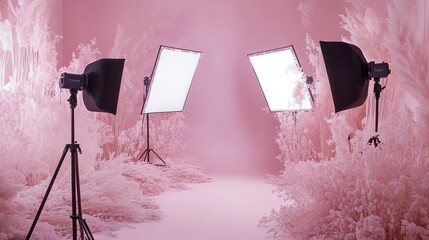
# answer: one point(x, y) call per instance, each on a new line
point(100, 84)
point(101, 81)
point(171, 80)
point(281, 79)
point(349, 74)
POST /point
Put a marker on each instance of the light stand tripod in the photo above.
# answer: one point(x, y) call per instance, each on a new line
point(146, 153)
point(76, 216)
point(377, 71)
point(377, 91)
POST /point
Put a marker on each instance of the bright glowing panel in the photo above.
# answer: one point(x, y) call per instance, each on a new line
point(171, 79)
point(281, 79)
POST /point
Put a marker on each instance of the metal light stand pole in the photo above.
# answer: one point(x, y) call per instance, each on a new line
point(377, 92)
point(146, 153)
point(74, 148)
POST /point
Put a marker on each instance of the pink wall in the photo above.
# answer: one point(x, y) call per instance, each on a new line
point(228, 131)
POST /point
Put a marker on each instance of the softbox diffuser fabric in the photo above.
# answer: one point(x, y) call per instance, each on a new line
point(171, 79)
point(281, 79)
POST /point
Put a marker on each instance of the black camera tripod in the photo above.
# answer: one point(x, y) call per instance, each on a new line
point(76, 216)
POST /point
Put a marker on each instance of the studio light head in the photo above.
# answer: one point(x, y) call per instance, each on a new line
point(100, 84)
point(349, 73)
point(379, 70)
point(77, 81)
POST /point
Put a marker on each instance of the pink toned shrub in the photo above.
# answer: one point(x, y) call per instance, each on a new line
point(369, 193)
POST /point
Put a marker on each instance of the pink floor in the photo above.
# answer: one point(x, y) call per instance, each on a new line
point(227, 208)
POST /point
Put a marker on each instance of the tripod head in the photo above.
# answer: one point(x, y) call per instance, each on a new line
point(146, 81)
point(73, 98)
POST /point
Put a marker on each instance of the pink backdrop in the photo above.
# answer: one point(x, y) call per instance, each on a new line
point(228, 131)
point(348, 189)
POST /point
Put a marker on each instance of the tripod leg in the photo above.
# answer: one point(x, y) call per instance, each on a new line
point(143, 154)
point(74, 217)
point(83, 227)
point(158, 156)
point(147, 156)
point(48, 190)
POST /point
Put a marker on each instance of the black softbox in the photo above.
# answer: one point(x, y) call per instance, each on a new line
point(103, 91)
point(348, 74)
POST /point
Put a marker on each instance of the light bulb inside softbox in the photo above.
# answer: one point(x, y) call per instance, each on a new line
point(281, 79)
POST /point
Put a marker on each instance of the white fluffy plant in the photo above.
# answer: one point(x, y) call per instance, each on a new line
point(29, 67)
point(28, 152)
point(363, 192)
